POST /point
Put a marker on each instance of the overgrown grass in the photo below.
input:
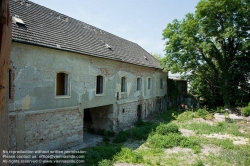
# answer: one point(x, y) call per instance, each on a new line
point(129, 156)
point(158, 137)
point(140, 131)
point(97, 154)
point(220, 127)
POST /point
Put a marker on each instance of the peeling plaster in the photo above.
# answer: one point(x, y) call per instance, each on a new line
point(26, 102)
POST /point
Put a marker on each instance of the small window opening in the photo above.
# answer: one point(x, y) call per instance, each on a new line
point(62, 84)
point(10, 84)
point(99, 84)
point(138, 84)
point(123, 110)
point(149, 83)
point(161, 83)
point(123, 84)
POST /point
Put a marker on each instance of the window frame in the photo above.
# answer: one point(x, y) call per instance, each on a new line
point(68, 84)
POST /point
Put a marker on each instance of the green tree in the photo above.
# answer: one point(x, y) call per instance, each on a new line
point(214, 39)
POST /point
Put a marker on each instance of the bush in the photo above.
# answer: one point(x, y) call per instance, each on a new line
point(201, 113)
point(122, 136)
point(129, 156)
point(246, 110)
point(165, 129)
point(106, 139)
point(188, 115)
point(165, 141)
point(98, 153)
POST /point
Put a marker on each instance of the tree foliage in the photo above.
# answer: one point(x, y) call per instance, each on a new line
point(213, 47)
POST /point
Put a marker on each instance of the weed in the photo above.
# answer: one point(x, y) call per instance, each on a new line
point(165, 141)
point(129, 156)
point(165, 129)
point(198, 163)
point(201, 113)
point(246, 110)
point(187, 115)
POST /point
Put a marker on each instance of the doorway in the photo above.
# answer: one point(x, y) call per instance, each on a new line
point(139, 111)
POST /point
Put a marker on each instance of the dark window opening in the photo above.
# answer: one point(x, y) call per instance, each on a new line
point(123, 85)
point(10, 84)
point(139, 112)
point(161, 83)
point(62, 84)
point(138, 84)
point(149, 83)
point(99, 85)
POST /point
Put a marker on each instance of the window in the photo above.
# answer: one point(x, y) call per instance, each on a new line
point(62, 84)
point(123, 84)
point(138, 83)
point(149, 83)
point(99, 84)
point(10, 84)
point(161, 83)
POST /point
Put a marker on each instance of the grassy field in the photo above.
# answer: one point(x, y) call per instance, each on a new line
point(176, 138)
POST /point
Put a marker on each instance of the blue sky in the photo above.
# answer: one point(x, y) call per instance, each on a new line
point(140, 21)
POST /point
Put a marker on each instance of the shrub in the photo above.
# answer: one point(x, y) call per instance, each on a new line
point(106, 139)
point(246, 110)
point(98, 153)
point(201, 113)
point(129, 156)
point(165, 141)
point(122, 136)
point(188, 115)
point(165, 129)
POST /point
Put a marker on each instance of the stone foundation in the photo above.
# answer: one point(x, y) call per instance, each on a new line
point(46, 129)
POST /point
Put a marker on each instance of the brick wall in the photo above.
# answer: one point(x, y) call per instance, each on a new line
point(46, 130)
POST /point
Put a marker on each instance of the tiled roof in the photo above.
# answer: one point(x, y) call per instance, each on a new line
point(49, 28)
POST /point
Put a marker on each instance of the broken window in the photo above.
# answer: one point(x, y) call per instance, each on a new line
point(123, 84)
point(149, 83)
point(161, 83)
point(138, 83)
point(62, 84)
point(99, 84)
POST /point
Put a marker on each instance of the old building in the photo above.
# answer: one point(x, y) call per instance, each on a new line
point(66, 75)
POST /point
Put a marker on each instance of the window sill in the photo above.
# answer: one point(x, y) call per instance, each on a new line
point(62, 97)
point(102, 94)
